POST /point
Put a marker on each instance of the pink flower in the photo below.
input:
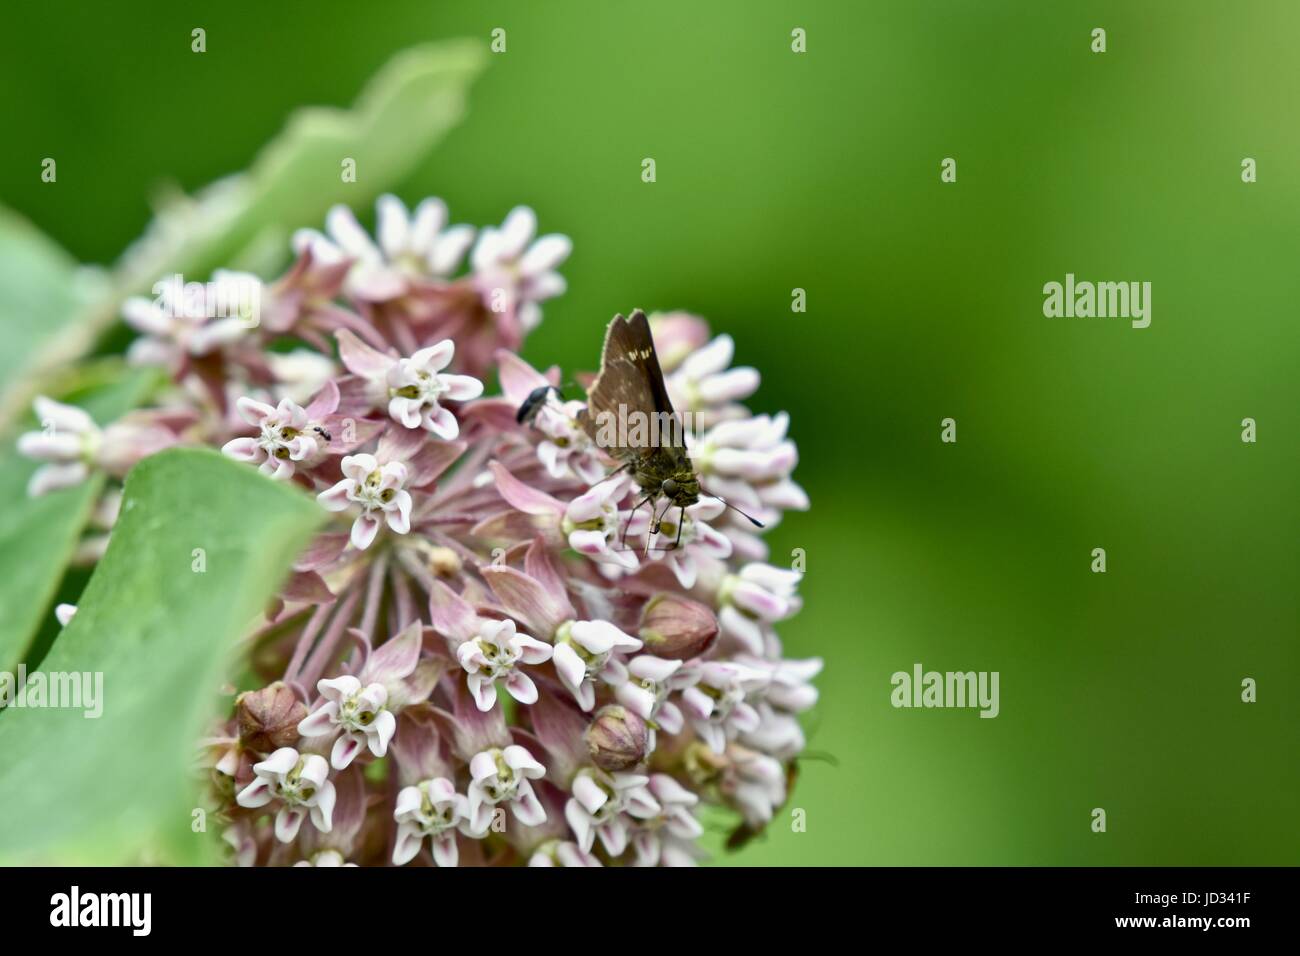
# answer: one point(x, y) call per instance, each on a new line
point(379, 492)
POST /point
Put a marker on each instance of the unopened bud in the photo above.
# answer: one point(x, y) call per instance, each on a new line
point(676, 627)
point(617, 738)
point(269, 718)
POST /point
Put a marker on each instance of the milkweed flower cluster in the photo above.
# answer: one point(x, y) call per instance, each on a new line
point(488, 657)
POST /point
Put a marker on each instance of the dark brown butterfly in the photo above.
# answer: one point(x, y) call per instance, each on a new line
point(630, 416)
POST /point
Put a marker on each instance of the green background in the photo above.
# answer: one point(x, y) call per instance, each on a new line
point(821, 171)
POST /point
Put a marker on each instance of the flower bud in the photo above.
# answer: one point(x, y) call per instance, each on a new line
point(676, 627)
point(617, 738)
point(269, 718)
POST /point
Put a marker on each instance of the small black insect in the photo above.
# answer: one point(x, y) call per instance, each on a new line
point(531, 405)
point(322, 432)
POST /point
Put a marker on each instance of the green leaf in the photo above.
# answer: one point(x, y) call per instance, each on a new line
point(118, 787)
point(406, 108)
point(39, 535)
point(41, 288)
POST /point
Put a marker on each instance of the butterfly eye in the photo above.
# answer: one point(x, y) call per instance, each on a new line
point(669, 487)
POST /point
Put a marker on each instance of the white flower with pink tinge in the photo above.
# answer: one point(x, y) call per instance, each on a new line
point(584, 651)
point(433, 809)
point(565, 853)
point(417, 385)
point(411, 246)
point(750, 601)
point(602, 804)
point(284, 437)
point(379, 492)
point(645, 693)
point(301, 784)
point(596, 527)
point(325, 858)
point(668, 839)
point(494, 655)
point(73, 446)
point(514, 273)
point(504, 775)
point(705, 386)
point(680, 546)
point(358, 714)
point(714, 699)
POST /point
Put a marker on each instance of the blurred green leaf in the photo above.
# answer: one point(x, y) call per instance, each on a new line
point(38, 535)
point(117, 788)
point(404, 110)
point(40, 290)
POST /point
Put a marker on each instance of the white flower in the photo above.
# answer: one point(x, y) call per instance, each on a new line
point(566, 451)
point(379, 492)
point(325, 858)
point(69, 443)
point(417, 385)
point(668, 838)
point(749, 461)
point(645, 693)
point(714, 702)
point(704, 386)
point(565, 853)
point(302, 786)
point(411, 246)
point(493, 654)
point(503, 775)
point(583, 651)
point(431, 809)
point(357, 713)
point(684, 534)
point(601, 804)
point(750, 601)
point(284, 437)
point(72, 445)
point(514, 273)
point(595, 526)
point(755, 783)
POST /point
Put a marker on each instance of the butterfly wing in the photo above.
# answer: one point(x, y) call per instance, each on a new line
point(630, 380)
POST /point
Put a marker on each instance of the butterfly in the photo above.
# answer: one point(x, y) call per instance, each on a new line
point(630, 416)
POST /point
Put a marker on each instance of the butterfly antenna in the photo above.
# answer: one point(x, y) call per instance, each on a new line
point(752, 520)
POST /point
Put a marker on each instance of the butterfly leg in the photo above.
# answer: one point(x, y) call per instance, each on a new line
point(681, 521)
point(630, 516)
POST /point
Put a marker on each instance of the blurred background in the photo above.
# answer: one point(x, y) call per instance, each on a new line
point(820, 171)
